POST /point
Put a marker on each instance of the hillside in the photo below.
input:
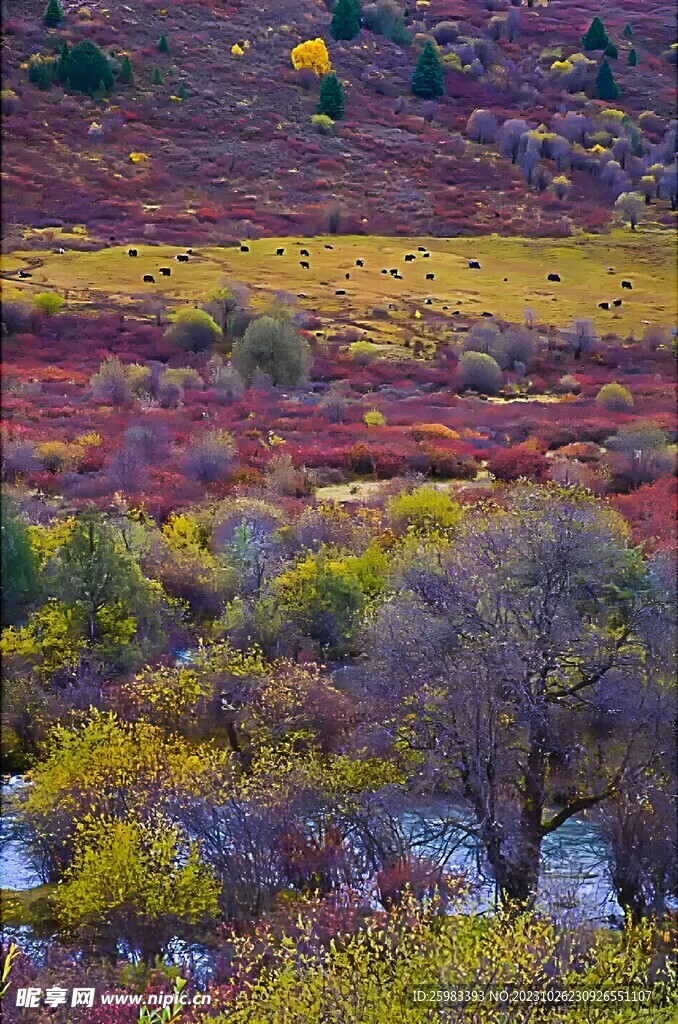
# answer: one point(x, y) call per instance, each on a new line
point(239, 156)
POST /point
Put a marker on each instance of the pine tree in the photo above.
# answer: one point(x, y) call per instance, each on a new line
point(346, 19)
point(61, 66)
point(86, 68)
point(633, 58)
point(331, 97)
point(53, 14)
point(628, 31)
point(611, 51)
point(182, 94)
point(126, 73)
point(157, 77)
point(163, 45)
point(596, 36)
point(606, 87)
point(427, 80)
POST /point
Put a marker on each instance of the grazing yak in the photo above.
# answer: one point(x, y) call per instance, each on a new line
point(421, 248)
point(329, 247)
point(553, 277)
point(24, 274)
point(304, 252)
point(430, 277)
point(603, 305)
point(360, 263)
point(626, 284)
point(304, 265)
point(182, 258)
point(132, 252)
point(409, 257)
point(617, 302)
point(340, 292)
point(149, 279)
point(280, 252)
point(244, 248)
point(473, 265)
point(165, 271)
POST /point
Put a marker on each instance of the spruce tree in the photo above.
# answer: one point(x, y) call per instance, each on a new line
point(611, 51)
point(633, 58)
point(427, 80)
point(163, 45)
point(628, 31)
point(53, 14)
point(86, 68)
point(346, 19)
point(596, 36)
point(606, 87)
point(126, 73)
point(182, 94)
point(62, 63)
point(157, 77)
point(331, 97)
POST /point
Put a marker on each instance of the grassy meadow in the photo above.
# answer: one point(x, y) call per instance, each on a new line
point(513, 276)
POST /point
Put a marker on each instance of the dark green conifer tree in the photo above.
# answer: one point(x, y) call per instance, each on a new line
point(427, 79)
point(157, 77)
point(182, 94)
point(628, 31)
point(163, 45)
point(595, 38)
point(331, 100)
point(606, 87)
point(53, 14)
point(346, 19)
point(633, 58)
point(86, 68)
point(61, 64)
point(126, 73)
point(611, 51)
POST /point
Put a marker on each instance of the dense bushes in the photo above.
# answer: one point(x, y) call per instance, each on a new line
point(273, 348)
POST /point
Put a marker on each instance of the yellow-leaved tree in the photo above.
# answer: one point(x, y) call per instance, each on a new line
point(311, 54)
point(138, 880)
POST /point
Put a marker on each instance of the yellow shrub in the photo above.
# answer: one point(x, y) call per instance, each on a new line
point(311, 54)
point(425, 431)
point(237, 50)
point(139, 158)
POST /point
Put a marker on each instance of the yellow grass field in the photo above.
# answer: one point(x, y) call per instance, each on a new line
point(110, 278)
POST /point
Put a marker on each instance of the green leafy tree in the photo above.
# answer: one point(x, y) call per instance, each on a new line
point(331, 101)
point(157, 77)
point(273, 347)
point(194, 330)
point(346, 19)
point(427, 80)
point(91, 572)
point(48, 302)
point(53, 14)
point(606, 87)
point(86, 68)
point(163, 45)
point(615, 397)
point(126, 73)
point(633, 58)
point(595, 37)
point(628, 31)
point(41, 71)
point(20, 582)
point(611, 51)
